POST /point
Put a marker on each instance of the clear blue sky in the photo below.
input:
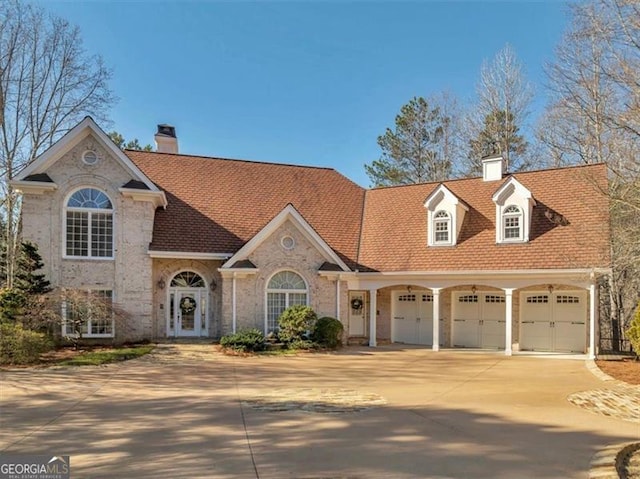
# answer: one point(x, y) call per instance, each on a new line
point(299, 82)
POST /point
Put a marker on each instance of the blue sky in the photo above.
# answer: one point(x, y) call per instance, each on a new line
point(300, 82)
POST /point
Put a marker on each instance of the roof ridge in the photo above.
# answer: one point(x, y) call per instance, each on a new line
point(506, 175)
point(220, 158)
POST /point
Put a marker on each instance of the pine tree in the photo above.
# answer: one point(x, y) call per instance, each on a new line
point(27, 280)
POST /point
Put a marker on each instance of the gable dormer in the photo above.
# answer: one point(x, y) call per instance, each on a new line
point(445, 214)
point(514, 207)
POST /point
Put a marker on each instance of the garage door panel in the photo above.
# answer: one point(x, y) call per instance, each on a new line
point(493, 333)
point(535, 335)
point(405, 328)
point(570, 336)
point(465, 333)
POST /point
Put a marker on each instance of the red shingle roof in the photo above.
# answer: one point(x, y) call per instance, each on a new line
point(217, 205)
point(394, 236)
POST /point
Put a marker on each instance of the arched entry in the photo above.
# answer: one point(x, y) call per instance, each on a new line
point(187, 308)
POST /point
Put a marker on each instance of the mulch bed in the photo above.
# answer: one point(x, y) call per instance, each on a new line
point(627, 369)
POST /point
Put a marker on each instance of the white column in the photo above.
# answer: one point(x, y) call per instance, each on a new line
point(508, 336)
point(338, 298)
point(436, 319)
point(233, 304)
point(373, 309)
point(593, 315)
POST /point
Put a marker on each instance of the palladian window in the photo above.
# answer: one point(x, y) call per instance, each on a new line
point(89, 225)
point(285, 289)
point(512, 223)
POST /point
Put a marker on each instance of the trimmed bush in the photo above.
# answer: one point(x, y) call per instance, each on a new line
point(296, 323)
point(328, 332)
point(244, 340)
point(633, 333)
point(21, 346)
point(302, 344)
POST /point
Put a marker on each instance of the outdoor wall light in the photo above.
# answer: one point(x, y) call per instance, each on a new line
point(550, 288)
point(161, 283)
point(213, 285)
point(409, 289)
point(474, 289)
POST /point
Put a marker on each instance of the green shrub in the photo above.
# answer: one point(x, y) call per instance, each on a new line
point(21, 346)
point(633, 333)
point(301, 344)
point(296, 323)
point(244, 340)
point(328, 332)
point(12, 302)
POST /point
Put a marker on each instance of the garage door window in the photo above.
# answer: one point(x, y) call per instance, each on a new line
point(567, 299)
point(538, 299)
point(491, 298)
point(469, 298)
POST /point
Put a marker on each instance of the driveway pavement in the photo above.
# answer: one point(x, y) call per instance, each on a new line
point(188, 412)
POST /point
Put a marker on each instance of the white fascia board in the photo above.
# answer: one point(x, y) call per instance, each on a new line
point(485, 273)
point(289, 212)
point(33, 187)
point(519, 188)
point(73, 137)
point(187, 255)
point(431, 202)
point(337, 274)
point(237, 272)
point(158, 198)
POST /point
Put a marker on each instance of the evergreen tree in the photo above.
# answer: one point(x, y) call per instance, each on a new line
point(499, 135)
point(27, 280)
point(413, 151)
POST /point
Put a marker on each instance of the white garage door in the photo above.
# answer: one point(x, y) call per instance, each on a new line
point(553, 321)
point(412, 318)
point(479, 320)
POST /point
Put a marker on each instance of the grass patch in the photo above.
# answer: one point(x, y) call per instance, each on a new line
point(105, 356)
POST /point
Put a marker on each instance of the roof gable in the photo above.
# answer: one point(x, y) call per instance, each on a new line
point(87, 126)
point(288, 213)
point(512, 187)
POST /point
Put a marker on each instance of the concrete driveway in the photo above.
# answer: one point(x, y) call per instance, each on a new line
point(188, 412)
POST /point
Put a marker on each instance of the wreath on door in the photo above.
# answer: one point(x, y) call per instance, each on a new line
point(356, 304)
point(187, 305)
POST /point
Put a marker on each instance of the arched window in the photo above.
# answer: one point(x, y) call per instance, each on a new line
point(187, 279)
point(441, 227)
point(89, 224)
point(284, 289)
point(512, 223)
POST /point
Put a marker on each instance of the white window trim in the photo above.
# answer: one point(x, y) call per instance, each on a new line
point(268, 290)
point(88, 335)
point(88, 210)
point(521, 223)
point(448, 221)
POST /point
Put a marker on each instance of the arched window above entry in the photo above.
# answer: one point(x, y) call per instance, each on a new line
point(89, 225)
point(187, 279)
point(284, 289)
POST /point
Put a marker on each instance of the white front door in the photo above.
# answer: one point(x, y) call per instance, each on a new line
point(187, 312)
point(357, 313)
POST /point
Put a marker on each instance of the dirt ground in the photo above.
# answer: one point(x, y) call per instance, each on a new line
point(627, 370)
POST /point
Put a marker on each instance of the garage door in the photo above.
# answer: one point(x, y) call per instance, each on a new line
point(412, 318)
point(553, 321)
point(479, 320)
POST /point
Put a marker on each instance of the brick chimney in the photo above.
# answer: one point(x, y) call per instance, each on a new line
point(166, 141)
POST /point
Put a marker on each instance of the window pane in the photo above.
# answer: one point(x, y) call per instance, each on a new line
point(442, 231)
point(77, 233)
point(287, 280)
point(89, 198)
point(276, 304)
point(187, 279)
point(101, 235)
point(297, 299)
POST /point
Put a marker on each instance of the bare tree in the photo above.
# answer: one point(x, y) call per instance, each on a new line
point(48, 83)
point(502, 108)
point(594, 117)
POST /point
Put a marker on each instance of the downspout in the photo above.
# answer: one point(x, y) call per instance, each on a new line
point(233, 304)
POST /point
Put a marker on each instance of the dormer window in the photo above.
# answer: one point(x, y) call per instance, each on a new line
point(514, 209)
point(512, 223)
point(445, 215)
point(441, 227)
